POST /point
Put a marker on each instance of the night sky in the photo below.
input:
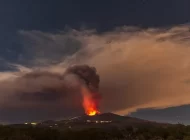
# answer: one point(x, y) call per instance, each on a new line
point(53, 16)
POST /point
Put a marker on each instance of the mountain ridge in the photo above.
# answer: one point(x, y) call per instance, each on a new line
point(102, 119)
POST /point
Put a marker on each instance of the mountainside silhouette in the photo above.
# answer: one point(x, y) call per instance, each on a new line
point(104, 120)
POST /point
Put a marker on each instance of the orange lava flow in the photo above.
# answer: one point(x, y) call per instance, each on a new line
point(89, 104)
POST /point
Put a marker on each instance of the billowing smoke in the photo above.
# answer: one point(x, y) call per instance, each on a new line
point(91, 96)
point(87, 74)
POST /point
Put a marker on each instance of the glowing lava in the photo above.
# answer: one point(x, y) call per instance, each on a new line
point(92, 113)
point(89, 104)
point(90, 108)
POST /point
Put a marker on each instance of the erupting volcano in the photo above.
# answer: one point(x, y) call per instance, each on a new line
point(89, 88)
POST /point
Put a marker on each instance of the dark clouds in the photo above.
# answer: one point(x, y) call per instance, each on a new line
point(57, 47)
point(137, 68)
point(174, 115)
point(41, 91)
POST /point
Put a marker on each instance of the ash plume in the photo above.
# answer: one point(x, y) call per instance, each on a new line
point(138, 68)
point(88, 74)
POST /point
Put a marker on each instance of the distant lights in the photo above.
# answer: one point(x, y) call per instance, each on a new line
point(89, 121)
point(33, 123)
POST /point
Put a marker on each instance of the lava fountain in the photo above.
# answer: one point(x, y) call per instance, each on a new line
point(90, 103)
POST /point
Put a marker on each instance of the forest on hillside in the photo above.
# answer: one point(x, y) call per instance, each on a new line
point(175, 132)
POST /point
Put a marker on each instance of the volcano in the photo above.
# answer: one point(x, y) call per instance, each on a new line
point(104, 120)
point(111, 118)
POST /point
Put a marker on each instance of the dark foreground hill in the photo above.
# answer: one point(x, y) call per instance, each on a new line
point(104, 121)
point(112, 127)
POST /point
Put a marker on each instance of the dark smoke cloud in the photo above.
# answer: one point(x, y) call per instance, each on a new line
point(88, 74)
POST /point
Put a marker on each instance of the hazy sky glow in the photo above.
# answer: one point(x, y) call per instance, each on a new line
point(139, 67)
